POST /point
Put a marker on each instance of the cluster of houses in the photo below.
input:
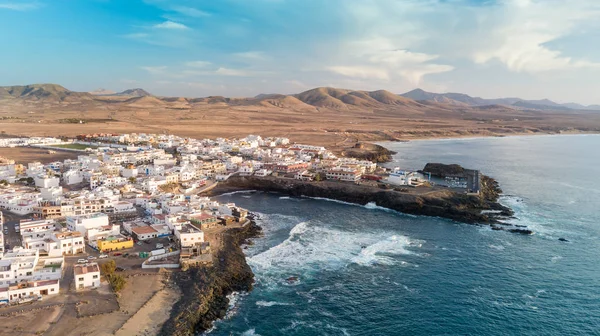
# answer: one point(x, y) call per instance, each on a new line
point(20, 142)
point(135, 187)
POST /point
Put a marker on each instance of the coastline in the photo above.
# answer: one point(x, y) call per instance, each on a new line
point(443, 203)
point(482, 137)
point(206, 289)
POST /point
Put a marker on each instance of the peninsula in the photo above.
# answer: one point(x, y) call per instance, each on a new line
point(123, 227)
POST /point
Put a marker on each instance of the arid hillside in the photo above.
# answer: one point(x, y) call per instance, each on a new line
point(325, 116)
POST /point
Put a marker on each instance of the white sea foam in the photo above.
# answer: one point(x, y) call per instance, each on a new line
point(497, 247)
point(272, 303)
point(250, 332)
point(310, 246)
point(238, 192)
point(370, 205)
point(234, 303)
point(284, 197)
point(555, 259)
point(382, 252)
point(538, 222)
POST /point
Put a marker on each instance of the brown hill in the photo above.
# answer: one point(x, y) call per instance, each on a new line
point(324, 97)
point(283, 101)
point(43, 92)
point(145, 102)
point(340, 99)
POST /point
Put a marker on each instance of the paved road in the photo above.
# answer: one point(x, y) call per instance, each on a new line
point(12, 238)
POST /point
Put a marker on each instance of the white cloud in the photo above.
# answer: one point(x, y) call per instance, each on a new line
point(20, 6)
point(359, 71)
point(171, 25)
point(251, 55)
point(192, 12)
point(155, 70)
point(520, 40)
point(198, 64)
point(234, 72)
point(376, 58)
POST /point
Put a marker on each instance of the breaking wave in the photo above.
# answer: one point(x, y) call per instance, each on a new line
point(238, 192)
point(272, 303)
point(311, 247)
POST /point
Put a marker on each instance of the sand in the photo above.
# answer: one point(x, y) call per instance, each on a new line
point(149, 319)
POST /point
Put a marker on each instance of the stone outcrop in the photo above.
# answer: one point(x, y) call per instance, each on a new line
point(370, 152)
point(205, 289)
point(440, 202)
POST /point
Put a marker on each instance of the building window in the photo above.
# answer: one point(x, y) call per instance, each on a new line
point(95, 277)
point(80, 279)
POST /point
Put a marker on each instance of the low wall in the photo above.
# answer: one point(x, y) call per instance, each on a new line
point(161, 256)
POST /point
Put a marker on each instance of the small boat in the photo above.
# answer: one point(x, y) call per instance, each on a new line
point(563, 239)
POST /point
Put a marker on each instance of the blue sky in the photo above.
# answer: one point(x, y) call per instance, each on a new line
point(491, 48)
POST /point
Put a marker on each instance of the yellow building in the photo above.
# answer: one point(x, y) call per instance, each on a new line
point(113, 243)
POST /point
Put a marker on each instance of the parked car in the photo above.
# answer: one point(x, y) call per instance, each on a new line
point(147, 241)
point(159, 246)
point(119, 269)
point(92, 258)
point(139, 243)
point(103, 256)
point(116, 254)
point(82, 261)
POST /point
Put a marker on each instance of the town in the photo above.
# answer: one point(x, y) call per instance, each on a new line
point(135, 201)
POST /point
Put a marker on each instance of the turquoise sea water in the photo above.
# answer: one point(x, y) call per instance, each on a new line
point(369, 271)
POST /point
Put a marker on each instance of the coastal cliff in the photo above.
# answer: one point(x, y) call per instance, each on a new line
point(438, 202)
point(206, 288)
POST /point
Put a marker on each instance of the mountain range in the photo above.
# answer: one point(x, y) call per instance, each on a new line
point(461, 99)
point(323, 97)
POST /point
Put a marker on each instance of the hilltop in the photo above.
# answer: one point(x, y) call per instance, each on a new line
point(42, 92)
point(334, 117)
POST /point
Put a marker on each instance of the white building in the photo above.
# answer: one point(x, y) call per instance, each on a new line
point(43, 181)
point(86, 276)
point(82, 223)
point(189, 235)
point(29, 290)
point(73, 177)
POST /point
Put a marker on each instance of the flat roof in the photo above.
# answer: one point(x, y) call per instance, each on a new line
point(143, 230)
point(87, 268)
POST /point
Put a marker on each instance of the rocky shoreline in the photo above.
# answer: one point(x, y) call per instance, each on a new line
point(206, 288)
point(482, 209)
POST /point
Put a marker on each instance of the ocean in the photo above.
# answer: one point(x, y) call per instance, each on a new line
point(364, 270)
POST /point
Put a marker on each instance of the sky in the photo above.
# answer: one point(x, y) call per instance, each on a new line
point(531, 49)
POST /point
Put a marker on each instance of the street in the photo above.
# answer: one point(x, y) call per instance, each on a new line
point(13, 238)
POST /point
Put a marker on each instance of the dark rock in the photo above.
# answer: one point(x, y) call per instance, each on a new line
point(206, 288)
point(522, 231)
point(444, 170)
point(369, 151)
point(563, 239)
point(438, 203)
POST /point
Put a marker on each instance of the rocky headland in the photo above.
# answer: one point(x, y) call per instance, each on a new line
point(369, 151)
point(205, 289)
point(438, 201)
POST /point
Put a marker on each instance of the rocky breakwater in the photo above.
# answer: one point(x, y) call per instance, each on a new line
point(436, 201)
point(205, 289)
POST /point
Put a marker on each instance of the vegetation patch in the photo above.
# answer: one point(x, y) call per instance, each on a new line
point(75, 146)
point(117, 281)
